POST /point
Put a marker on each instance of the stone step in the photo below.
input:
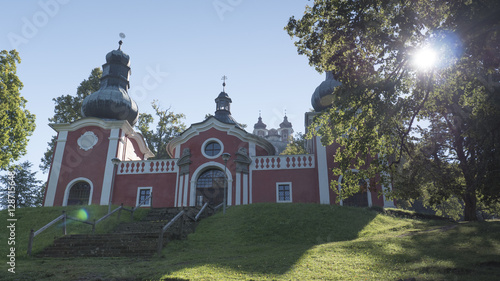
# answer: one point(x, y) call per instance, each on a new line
point(132, 239)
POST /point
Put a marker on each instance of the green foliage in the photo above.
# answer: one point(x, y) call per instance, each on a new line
point(16, 123)
point(27, 189)
point(295, 146)
point(370, 47)
point(68, 109)
point(169, 126)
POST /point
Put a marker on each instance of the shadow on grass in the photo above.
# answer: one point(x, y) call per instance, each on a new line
point(265, 238)
point(470, 251)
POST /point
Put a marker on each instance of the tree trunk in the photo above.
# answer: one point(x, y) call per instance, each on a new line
point(470, 204)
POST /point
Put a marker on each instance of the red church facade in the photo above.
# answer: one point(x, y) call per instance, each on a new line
point(101, 159)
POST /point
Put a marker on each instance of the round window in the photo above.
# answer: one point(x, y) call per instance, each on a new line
point(212, 148)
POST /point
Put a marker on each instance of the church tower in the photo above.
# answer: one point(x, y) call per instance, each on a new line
point(87, 150)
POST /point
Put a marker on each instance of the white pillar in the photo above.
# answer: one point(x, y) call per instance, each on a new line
point(108, 170)
point(56, 169)
point(324, 187)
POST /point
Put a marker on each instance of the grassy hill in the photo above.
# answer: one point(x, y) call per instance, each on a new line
point(299, 242)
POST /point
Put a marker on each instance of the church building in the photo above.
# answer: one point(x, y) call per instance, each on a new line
point(101, 159)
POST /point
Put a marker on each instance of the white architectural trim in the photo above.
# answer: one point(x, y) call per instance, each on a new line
point(70, 184)
point(237, 193)
point(207, 141)
point(55, 169)
point(138, 195)
point(107, 124)
point(324, 186)
point(200, 170)
point(251, 149)
point(178, 151)
point(109, 168)
point(245, 189)
point(185, 201)
point(277, 192)
point(178, 190)
point(231, 130)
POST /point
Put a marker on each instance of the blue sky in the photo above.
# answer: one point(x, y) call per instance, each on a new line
point(179, 51)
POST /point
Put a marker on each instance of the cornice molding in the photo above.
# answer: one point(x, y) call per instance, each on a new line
point(212, 122)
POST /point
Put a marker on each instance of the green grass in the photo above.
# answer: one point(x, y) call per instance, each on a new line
point(35, 218)
point(301, 242)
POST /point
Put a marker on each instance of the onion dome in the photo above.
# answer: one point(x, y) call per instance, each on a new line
point(322, 97)
point(112, 101)
point(285, 123)
point(259, 124)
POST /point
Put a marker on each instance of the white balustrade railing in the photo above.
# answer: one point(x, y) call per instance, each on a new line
point(283, 162)
point(147, 167)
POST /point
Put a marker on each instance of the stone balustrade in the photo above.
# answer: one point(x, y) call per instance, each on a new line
point(147, 167)
point(283, 162)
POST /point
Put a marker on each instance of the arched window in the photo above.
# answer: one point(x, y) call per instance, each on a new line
point(210, 187)
point(79, 194)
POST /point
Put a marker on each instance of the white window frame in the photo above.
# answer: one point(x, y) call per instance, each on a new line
point(206, 142)
point(278, 192)
point(139, 194)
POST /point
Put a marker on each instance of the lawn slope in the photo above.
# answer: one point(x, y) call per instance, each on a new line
point(299, 242)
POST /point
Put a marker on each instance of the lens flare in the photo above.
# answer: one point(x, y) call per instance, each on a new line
point(82, 215)
point(425, 58)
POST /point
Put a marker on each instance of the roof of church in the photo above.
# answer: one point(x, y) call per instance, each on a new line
point(259, 124)
point(285, 123)
point(112, 101)
point(322, 97)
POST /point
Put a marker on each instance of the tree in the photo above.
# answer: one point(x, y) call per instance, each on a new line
point(370, 47)
point(68, 109)
point(16, 122)
point(28, 191)
point(295, 146)
point(169, 126)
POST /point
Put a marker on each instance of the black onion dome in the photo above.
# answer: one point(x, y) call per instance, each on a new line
point(259, 124)
point(285, 123)
point(118, 56)
point(322, 97)
point(112, 101)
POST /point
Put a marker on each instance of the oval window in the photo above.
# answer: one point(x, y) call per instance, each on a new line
point(212, 148)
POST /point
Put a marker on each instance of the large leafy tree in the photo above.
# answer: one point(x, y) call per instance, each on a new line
point(22, 185)
point(371, 46)
point(168, 126)
point(16, 123)
point(68, 109)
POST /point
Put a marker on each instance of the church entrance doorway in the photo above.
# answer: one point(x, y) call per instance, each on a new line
point(210, 187)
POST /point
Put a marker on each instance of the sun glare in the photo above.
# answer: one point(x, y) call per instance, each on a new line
point(425, 58)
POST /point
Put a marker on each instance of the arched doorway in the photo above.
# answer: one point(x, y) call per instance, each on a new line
point(210, 187)
point(79, 193)
point(359, 199)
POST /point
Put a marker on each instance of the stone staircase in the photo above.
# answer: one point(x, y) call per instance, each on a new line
point(131, 239)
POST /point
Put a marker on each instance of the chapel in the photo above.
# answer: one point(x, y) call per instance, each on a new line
point(101, 159)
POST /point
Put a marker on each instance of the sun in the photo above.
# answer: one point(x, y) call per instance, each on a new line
point(425, 58)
